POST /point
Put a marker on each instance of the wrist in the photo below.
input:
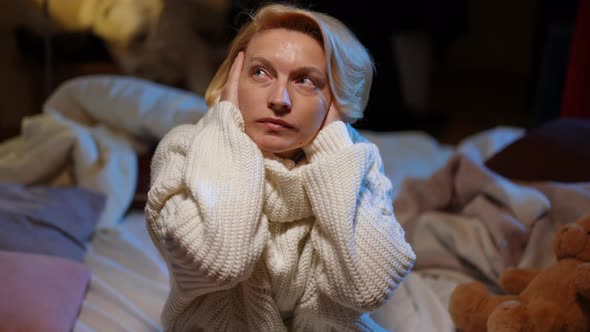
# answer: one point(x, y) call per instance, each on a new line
point(331, 139)
point(229, 112)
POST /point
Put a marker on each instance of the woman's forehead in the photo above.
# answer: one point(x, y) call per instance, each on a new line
point(289, 47)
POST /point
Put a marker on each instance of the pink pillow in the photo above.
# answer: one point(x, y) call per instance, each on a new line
point(40, 293)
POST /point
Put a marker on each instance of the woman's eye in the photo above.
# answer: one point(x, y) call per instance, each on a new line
point(258, 72)
point(307, 82)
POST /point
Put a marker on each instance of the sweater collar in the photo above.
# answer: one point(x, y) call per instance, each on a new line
point(285, 196)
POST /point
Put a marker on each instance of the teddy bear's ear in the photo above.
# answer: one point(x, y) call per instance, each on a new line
point(584, 222)
point(571, 240)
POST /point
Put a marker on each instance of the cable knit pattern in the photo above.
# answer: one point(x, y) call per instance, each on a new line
point(259, 243)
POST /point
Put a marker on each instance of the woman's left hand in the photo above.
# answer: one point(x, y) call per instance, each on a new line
point(333, 115)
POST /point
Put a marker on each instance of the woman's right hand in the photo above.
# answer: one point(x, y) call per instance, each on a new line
point(230, 89)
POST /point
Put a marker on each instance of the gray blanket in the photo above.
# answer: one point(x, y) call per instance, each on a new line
point(49, 221)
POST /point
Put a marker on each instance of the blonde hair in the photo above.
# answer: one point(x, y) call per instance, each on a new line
point(348, 64)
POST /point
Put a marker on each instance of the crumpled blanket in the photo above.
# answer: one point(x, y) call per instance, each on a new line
point(89, 134)
point(467, 219)
point(467, 223)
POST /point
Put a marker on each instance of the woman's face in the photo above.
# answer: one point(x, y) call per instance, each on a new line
point(283, 91)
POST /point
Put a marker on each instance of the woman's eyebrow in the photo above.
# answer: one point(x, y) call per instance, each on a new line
point(298, 71)
point(265, 63)
point(308, 70)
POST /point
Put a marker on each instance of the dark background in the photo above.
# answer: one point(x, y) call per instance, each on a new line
point(468, 65)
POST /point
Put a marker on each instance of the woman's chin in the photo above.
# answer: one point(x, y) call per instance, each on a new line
point(279, 151)
point(276, 144)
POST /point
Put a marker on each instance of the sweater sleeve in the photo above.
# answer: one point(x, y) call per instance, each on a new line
point(204, 209)
point(362, 252)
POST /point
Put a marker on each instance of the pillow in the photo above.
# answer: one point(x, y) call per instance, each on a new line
point(40, 293)
point(142, 108)
point(56, 221)
point(557, 151)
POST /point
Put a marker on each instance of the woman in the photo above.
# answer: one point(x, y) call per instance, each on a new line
point(272, 213)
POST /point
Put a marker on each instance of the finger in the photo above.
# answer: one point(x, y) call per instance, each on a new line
point(235, 71)
point(230, 90)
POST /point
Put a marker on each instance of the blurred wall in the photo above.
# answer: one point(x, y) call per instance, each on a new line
point(486, 80)
point(15, 89)
point(500, 37)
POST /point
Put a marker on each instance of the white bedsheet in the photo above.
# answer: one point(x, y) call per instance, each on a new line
point(130, 280)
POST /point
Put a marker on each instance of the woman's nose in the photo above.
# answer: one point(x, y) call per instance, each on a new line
point(279, 100)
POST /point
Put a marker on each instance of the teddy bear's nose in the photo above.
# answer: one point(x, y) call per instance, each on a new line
point(572, 228)
point(566, 229)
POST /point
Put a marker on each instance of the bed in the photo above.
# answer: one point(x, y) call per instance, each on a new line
point(76, 179)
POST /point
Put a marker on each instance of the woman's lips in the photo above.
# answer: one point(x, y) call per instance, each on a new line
point(275, 124)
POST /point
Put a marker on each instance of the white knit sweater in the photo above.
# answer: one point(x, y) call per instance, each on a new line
point(255, 242)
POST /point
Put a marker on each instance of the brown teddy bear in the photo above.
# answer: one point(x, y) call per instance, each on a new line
point(553, 299)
